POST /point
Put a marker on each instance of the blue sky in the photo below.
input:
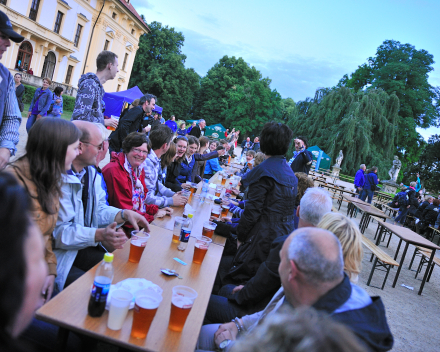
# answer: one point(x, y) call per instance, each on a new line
point(300, 45)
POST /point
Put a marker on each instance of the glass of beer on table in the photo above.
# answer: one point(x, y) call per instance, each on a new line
point(138, 241)
point(181, 304)
point(200, 249)
point(144, 311)
point(225, 210)
point(218, 191)
point(208, 228)
point(178, 221)
point(193, 187)
point(119, 304)
point(215, 211)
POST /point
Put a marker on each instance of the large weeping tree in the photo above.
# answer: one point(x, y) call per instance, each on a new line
point(362, 124)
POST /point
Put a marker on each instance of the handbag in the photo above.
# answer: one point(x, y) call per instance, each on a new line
point(373, 186)
point(51, 105)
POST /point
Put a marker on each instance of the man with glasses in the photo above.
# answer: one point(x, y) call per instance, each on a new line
point(86, 226)
point(132, 121)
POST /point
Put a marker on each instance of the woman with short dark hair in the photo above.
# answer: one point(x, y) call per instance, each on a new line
point(56, 109)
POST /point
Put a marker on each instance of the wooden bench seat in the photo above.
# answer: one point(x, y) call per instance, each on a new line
point(382, 260)
point(425, 255)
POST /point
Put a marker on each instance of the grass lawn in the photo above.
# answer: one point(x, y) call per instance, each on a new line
point(67, 115)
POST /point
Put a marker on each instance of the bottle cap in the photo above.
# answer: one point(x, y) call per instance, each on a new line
point(190, 216)
point(108, 257)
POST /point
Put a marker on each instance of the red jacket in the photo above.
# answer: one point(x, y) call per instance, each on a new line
point(120, 188)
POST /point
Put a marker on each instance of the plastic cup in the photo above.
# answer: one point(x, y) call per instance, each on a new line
point(138, 241)
point(186, 193)
point(225, 210)
point(193, 187)
point(215, 211)
point(178, 221)
point(110, 127)
point(181, 304)
point(200, 249)
point(144, 311)
point(208, 228)
point(119, 305)
point(218, 191)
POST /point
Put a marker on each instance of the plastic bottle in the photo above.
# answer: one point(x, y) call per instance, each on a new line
point(101, 286)
point(229, 188)
point(205, 190)
point(185, 233)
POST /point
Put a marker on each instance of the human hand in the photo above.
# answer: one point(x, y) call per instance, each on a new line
point(38, 117)
point(408, 206)
point(5, 154)
point(238, 243)
point(168, 211)
point(186, 186)
point(49, 284)
point(136, 220)
point(147, 129)
point(237, 288)
point(235, 191)
point(111, 122)
point(29, 114)
point(179, 199)
point(110, 237)
point(221, 152)
point(227, 331)
point(225, 201)
point(417, 174)
point(160, 213)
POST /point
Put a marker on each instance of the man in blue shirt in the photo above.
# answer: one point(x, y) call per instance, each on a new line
point(359, 179)
point(171, 123)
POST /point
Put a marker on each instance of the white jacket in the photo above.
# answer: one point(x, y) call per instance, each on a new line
point(74, 232)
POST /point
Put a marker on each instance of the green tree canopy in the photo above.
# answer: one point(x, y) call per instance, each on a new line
point(362, 124)
point(159, 69)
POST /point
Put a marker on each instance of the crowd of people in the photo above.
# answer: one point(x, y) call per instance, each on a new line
point(287, 257)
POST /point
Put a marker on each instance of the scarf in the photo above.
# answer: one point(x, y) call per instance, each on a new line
point(139, 195)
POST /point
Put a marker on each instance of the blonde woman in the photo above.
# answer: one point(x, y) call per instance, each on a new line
point(351, 241)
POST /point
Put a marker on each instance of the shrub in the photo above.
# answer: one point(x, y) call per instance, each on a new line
point(68, 103)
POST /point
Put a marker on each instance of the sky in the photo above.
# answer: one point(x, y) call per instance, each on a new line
point(300, 45)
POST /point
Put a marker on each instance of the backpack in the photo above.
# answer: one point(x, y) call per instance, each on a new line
point(402, 198)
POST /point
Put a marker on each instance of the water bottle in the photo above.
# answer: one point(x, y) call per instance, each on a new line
point(205, 190)
point(185, 233)
point(101, 286)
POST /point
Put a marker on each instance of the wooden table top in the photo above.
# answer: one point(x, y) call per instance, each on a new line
point(69, 308)
point(355, 200)
point(371, 210)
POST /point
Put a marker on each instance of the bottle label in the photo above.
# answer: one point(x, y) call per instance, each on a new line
point(184, 235)
point(100, 291)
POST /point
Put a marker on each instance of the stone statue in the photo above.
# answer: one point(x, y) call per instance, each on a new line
point(339, 158)
point(394, 171)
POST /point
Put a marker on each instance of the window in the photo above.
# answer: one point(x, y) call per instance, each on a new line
point(107, 42)
point(132, 31)
point(34, 9)
point(58, 22)
point(77, 35)
point(24, 56)
point(49, 65)
point(3, 2)
point(119, 88)
point(69, 74)
point(125, 61)
point(114, 15)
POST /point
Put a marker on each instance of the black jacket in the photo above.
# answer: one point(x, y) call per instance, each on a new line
point(420, 209)
point(413, 202)
point(131, 121)
point(303, 162)
point(173, 171)
point(195, 131)
point(199, 166)
point(429, 215)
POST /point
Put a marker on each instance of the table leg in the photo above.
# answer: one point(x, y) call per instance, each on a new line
point(401, 264)
point(379, 236)
point(427, 271)
point(61, 342)
point(398, 249)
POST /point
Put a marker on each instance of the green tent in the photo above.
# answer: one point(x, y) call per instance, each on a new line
point(325, 160)
point(216, 131)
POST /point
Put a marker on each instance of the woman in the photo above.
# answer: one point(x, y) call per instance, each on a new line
point(125, 179)
point(199, 167)
point(39, 172)
point(173, 170)
point(182, 130)
point(429, 216)
point(351, 241)
point(304, 182)
point(40, 103)
point(166, 160)
point(23, 269)
point(213, 165)
point(57, 103)
point(371, 181)
point(19, 90)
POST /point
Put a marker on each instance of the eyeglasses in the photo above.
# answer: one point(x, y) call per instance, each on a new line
point(99, 147)
point(181, 137)
point(139, 151)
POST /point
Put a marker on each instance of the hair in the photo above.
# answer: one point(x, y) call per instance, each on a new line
point(305, 251)
point(159, 136)
point(203, 141)
point(413, 184)
point(58, 90)
point(102, 129)
point(299, 330)
point(193, 140)
point(183, 123)
point(48, 80)
point(214, 142)
point(428, 197)
point(15, 220)
point(436, 202)
point(304, 182)
point(18, 73)
point(46, 150)
point(201, 120)
point(176, 140)
point(167, 158)
point(104, 58)
point(219, 147)
point(304, 139)
point(372, 169)
point(133, 140)
point(314, 204)
point(259, 158)
point(275, 138)
point(351, 241)
point(134, 103)
point(251, 152)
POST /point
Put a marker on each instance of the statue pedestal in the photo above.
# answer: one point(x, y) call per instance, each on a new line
point(335, 171)
point(390, 186)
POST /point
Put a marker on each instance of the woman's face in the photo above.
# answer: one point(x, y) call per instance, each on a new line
point(193, 148)
point(62, 92)
point(17, 79)
point(45, 84)
point(183, 126)
point(212, 146)
point(36, 272)
point(71, 154)
point(181, 146)
point(137, 155)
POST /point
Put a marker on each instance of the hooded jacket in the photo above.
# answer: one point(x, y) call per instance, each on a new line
point(88, 103)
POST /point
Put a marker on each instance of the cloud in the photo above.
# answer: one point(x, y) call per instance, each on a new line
point(209, 19)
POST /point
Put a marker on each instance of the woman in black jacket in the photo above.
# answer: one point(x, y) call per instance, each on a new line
point(422, 207)
point(173, 170)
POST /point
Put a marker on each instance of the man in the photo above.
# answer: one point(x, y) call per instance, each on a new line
point(88, 103)
point(245, 146)
point(171, 123)
point(238, 299)
point(359, 179)
point(256, 147)
point(131, 121)
point(302, 158)
point(86, 225)
point(197, 130)
point(10, 116)
point(158, 194)
point(312, 275)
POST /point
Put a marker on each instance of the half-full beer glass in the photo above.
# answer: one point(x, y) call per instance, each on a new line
point(181, 304)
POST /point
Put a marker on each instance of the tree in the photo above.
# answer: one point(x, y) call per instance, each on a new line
point(159, 69)
point(402, 69)
point(361, 124)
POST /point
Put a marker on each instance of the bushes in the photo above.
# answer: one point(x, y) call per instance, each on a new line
point(68, 101)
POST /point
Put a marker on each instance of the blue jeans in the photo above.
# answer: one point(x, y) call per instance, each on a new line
point(367, 193)
point(30, 122)
point(401, 217)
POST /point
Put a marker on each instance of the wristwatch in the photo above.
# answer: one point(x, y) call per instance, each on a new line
point(224, 344)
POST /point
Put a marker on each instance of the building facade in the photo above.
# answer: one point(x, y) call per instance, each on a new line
point(63, 39)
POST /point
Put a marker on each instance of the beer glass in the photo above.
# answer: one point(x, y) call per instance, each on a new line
point(119, 303)
point(215, 211)
point(138, 241)
point(225, 210)
point(193, 187)
point(178, 221)
point(181, 304)
point(144, 311)
point(223, 179)
point(200, 249)
point(218, 191)
point(208, 228)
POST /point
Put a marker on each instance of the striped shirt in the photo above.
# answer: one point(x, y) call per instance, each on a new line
point(11, 119)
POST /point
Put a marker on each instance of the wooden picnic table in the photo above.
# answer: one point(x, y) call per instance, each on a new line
point(69, 308)
point(410, 237)
point(352, 200)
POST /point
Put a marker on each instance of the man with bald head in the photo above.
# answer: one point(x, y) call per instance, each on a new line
point(86, 226)
point(312, 275)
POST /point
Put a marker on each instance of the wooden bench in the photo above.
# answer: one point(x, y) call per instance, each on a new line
point(382, 260)
point(418, 253)
point(425, 255)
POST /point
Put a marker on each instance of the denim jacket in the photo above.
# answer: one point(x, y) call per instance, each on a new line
point(44, 102)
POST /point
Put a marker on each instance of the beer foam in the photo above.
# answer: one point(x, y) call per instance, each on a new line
point(181, 301)
point(202, 246)
point(147, 302)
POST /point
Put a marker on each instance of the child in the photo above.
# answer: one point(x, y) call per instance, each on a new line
point(250, 155)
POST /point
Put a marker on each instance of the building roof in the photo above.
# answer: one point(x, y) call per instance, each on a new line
point(130, 7)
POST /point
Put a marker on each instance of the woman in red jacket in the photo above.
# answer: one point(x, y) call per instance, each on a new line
point(125, 179)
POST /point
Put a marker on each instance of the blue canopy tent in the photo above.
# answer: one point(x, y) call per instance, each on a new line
point(115, 102)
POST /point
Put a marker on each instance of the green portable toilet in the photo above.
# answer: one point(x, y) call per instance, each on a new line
point(325, 160)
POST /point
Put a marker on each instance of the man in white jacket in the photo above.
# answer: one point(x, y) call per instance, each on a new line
point(86, 226)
